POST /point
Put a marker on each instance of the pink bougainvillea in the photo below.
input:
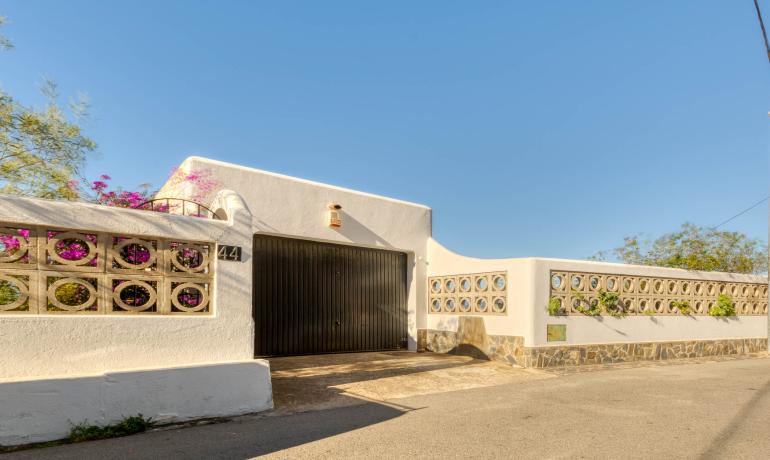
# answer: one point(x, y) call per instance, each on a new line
point(200, 179)
point(9, 243)
point(200, 183)
point(74, 248)
point(118, 198)
point(190, 297)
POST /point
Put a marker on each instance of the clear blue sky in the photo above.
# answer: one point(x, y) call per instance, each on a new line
point(531, 128)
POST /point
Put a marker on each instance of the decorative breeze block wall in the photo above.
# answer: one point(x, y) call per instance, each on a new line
point(47, 270)
point(654, 294)
point(469, 294)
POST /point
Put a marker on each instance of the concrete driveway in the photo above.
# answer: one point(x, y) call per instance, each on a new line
point(683, 410)
point(304, 383)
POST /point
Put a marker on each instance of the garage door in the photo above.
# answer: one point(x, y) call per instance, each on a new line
point(312, 297)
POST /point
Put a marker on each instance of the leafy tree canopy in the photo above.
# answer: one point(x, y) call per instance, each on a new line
point(42, 151)
point(694, 248)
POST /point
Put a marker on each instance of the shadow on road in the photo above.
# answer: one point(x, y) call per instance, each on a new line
point(734, 427)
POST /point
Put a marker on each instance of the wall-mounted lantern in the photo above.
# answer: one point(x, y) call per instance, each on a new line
point(333, 217)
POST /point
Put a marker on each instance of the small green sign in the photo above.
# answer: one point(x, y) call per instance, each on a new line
point(556, 332)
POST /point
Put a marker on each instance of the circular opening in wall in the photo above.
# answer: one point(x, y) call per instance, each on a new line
point(450, 285)
point(628, 285)
point(734, 290)
point(685, 287)
point(658, 306)
point(756, 292)
point(465, 305)
point(576, 303)
point(698, 307)
point(722, 289)
point(449, 305)
point(745, 291)
point(711, 289)
point(698, 288)
point(499, 283)
point(465, 285)
point(482, 284)
point(644, 285)
point(593, 282)
point(11, 293)
point(658, 286)
point(481, 304)
point(577, 282)
point(556, 282)
point(612, 284)
point(435, 286)
point(672, 287)
point(435, 305)
point(499, 304)
point(642, 305)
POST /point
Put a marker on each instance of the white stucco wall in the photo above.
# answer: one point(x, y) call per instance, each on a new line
point(293, 207)
point(606, 329)
point(46, 409)
point(35, 346)
point(518, 317)
point(529, 292)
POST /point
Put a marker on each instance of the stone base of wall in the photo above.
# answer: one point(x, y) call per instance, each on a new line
point(579, 355)
point(511, 349)
point(471, 339)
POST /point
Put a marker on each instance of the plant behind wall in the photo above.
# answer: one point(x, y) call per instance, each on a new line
point(724, 306)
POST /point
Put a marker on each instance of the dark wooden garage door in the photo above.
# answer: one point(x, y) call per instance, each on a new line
point(312, 297)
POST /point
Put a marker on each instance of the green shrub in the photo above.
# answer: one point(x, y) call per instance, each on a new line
point(682, 305)
point(127, 426)
point(724, 306)
point(584, 306)
point(649, 312)
point(555, 307)
point(610, 301)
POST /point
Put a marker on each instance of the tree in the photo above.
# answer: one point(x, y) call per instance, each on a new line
point(42, 151)
point(695, 248)
point(4, 42)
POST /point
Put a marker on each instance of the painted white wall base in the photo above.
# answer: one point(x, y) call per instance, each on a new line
point(45, 410)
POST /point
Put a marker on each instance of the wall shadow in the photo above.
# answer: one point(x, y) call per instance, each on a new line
point(354, 230)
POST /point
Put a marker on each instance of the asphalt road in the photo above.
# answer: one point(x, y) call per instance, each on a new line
point(695, 410)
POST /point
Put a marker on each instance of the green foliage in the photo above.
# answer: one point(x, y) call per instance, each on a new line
point(649, 312)
point(682, 305)
point(584, 306)
point(71, 294)
point(127, 426)
point(695, 248)
point(554, 307)
point(724, 306)
point(610, 301)
point(4, 42)
point(41, 150)
point(9, 293)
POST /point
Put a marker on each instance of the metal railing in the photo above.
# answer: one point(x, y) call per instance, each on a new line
point(179, 206)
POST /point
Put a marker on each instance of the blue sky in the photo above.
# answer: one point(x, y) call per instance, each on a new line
point(531, 128)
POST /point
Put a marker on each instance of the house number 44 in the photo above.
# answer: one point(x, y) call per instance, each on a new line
point(229, 253)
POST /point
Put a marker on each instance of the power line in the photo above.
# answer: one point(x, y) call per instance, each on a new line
point(742, 212)
point(762, 26)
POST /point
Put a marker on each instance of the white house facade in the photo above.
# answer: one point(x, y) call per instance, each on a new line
point(108, 312)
